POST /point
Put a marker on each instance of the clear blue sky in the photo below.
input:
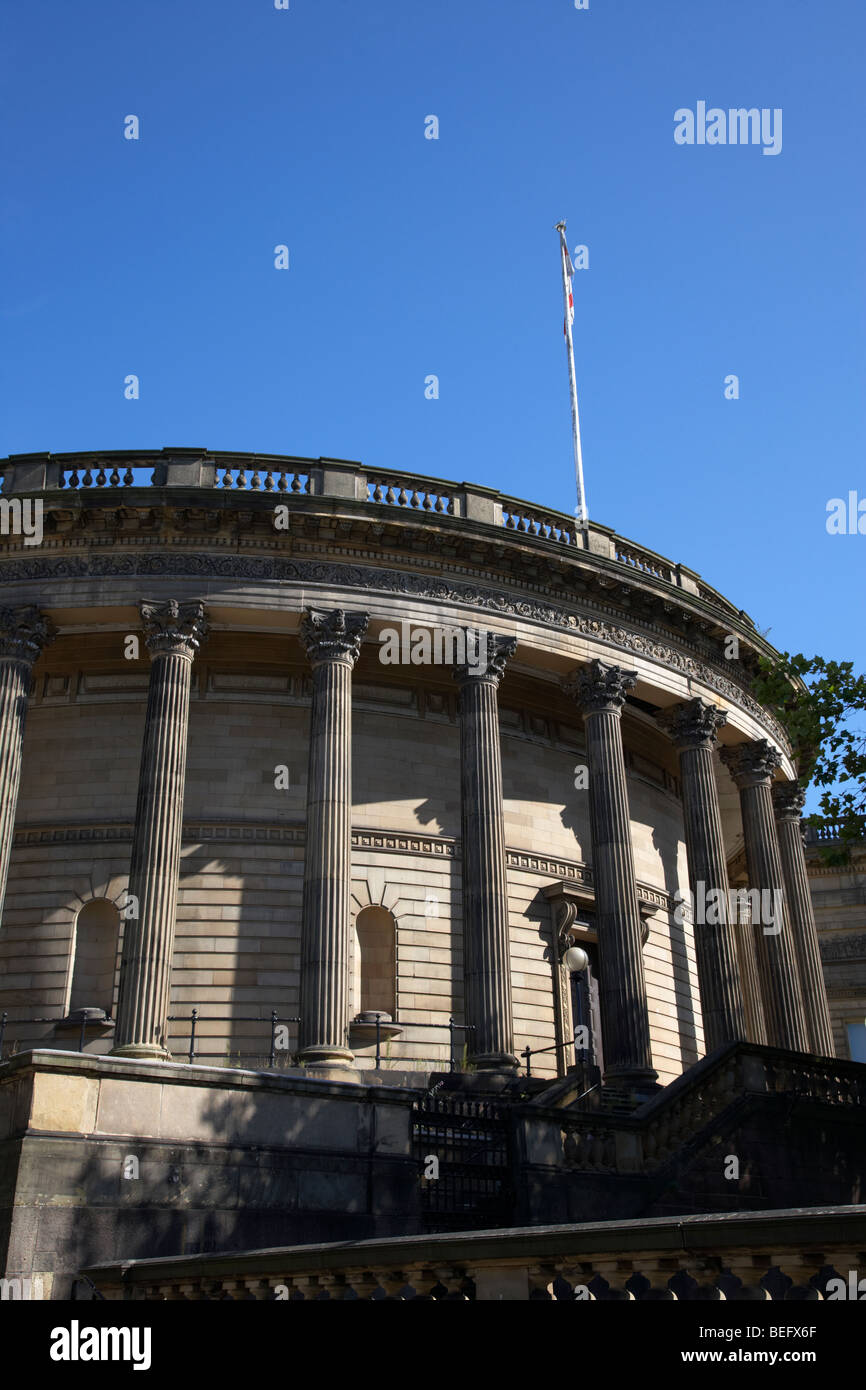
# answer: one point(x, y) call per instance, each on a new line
point(411, 256)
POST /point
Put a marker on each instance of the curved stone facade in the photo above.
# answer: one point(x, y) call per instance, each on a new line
point(259, 784)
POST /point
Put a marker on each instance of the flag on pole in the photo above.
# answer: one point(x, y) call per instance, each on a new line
point(568, 268)
point(568, 300)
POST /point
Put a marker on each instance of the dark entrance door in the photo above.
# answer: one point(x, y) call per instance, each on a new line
point(585, 1009)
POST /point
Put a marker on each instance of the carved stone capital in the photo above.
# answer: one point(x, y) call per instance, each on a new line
point(693, 723)
point(751, 763)
point(174, 628)
point(333, 636)
point(788, 800)
point(493, 651)
point(23, 634)
point(600, 688)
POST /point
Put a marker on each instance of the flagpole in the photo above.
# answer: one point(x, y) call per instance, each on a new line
point(568, 302)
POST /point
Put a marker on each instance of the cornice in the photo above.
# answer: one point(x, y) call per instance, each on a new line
point(440, 589)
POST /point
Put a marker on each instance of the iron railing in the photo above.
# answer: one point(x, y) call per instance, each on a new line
point(275, 1020)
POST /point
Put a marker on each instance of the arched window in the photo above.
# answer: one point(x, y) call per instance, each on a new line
point(376, 961)
point(96, 933)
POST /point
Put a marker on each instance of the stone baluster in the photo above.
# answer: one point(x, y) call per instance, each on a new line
point(692, 726)
point(486, 955)
point(23, 634)
point(752, 766)
point(333, 642)
point(788, 799)
point(173, 633)
point(600, 691)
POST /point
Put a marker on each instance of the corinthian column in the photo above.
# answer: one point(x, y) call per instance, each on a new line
point(23, 634)
point(788, 799)
point(600, 691)
point(692, 726)
point(752, 766)
point(332, 641)
point(173, 633)
point(486, 956)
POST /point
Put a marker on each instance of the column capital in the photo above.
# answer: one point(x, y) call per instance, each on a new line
point(692, 724)
point(23, 634)
point(788, 800)
point(600, 688)
point(174, 628)
point(750, 764)
point(493, 651)
point(333, 636)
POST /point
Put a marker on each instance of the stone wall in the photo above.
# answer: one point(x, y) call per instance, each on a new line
point(839, 899)
point(239, 905)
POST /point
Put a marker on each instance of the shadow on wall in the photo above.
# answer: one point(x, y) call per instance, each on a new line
point(685, 1014)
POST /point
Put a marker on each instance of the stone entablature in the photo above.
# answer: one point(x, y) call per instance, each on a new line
point(659, 610)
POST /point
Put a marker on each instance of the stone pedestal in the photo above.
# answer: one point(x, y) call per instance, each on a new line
point(788, 799)
point(692, 726)
point(332, 641)
point(23, 634)
point(752, 766)
point(486, 953)
point(173, 633)
point(600, 691)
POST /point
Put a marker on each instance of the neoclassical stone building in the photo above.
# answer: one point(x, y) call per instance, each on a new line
point(223, 798)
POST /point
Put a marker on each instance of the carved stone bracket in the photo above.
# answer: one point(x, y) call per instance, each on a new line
point(333, 636)
point(176, 628)
point(789, 799)
point(599, 687)
point(23, 634)
point(491, 663)
point(569, 901)
point(692, 724)
point(751, 763)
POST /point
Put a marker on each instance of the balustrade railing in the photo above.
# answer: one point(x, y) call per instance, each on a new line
point(532, 521)
point(262, 479)
point(644, 560)
point(426, 495)
point(786, 1255)
point(345, 481)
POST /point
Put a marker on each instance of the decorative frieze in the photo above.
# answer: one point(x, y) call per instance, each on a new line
point(179, 564)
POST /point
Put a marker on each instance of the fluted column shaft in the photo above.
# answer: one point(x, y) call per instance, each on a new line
point(23, 633)
point(173, 633)
point(600, 690)
point(486, 954)
point(788, 799)
point(756, 1024)
point(693, 726)
point(752, 766)
point(332, 641)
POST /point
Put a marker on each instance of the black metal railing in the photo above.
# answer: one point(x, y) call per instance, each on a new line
point(450, 1025)
point(194, 1018)
point(194, 1037)
point(530, 1052)
point(83, 1023)
point(275, 1020)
